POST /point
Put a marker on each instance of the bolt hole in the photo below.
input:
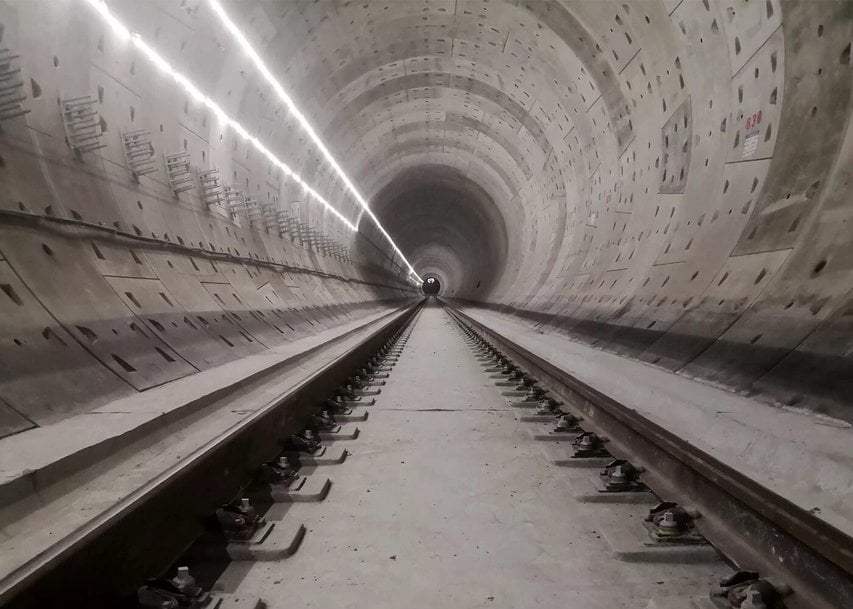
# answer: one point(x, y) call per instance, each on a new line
point(48, 334)
point(88, 333)
point(165, 355)
point(819, 267)
point(12, 294)
point(123, 364)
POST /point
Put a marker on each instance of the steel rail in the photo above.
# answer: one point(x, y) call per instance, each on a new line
point(751, 525)
point(141, 534)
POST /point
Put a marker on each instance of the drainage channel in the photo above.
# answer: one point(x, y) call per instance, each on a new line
point(664, 502)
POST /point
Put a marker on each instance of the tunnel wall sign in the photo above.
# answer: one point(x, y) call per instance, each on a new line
point(750, 143)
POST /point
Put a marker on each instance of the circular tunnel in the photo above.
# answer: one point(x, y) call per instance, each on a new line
point(622, 170)
point(619, 170)
point(431, 286)
point(666, 180)
point(448, 225)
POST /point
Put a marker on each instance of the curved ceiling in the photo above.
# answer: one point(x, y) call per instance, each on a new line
point(450, 226)
point(639, 155)
point(667, 179)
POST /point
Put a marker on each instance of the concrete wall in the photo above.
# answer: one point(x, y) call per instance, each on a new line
point(112, 284)
point(665, 179)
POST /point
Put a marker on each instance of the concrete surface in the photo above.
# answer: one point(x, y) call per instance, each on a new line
point(32, 452)
point(802, 456)
point(667, 179)
point(445, 502)
point(46, 511)
point(663, 180)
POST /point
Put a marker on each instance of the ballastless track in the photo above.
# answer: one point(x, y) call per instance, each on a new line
point(454, 469)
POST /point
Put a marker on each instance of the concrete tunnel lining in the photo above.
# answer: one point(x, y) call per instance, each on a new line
point(435, 208)
point(665, 181)
point(576, 160)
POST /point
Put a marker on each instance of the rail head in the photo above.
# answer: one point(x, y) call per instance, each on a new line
point(196, 483)
point(749, 523)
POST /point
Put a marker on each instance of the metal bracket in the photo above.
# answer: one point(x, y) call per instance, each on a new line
point(12, 92)
point(179, 172)
point(82, 123)
point(138, 152)
point(211, 188)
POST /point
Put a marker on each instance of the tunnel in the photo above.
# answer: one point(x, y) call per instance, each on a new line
point(431, 286)
point(646, 203)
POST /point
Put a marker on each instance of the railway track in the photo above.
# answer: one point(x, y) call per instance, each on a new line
point(786, 556)
point(428, 460)
point(105, 511)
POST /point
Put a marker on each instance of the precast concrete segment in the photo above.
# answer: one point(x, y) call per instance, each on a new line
point(444, 502)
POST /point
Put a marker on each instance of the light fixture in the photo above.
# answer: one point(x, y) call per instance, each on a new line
point(124, 33)
point(303, 122)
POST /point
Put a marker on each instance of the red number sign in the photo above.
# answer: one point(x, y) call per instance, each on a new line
point(753, 121)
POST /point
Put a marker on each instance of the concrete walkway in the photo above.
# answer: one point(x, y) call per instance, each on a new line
point(803, 457)
point(447, 502)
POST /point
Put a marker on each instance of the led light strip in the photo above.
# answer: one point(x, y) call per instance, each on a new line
point(125, 33)
point(303, 122)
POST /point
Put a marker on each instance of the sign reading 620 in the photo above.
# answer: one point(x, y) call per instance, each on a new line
point(753, 121)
